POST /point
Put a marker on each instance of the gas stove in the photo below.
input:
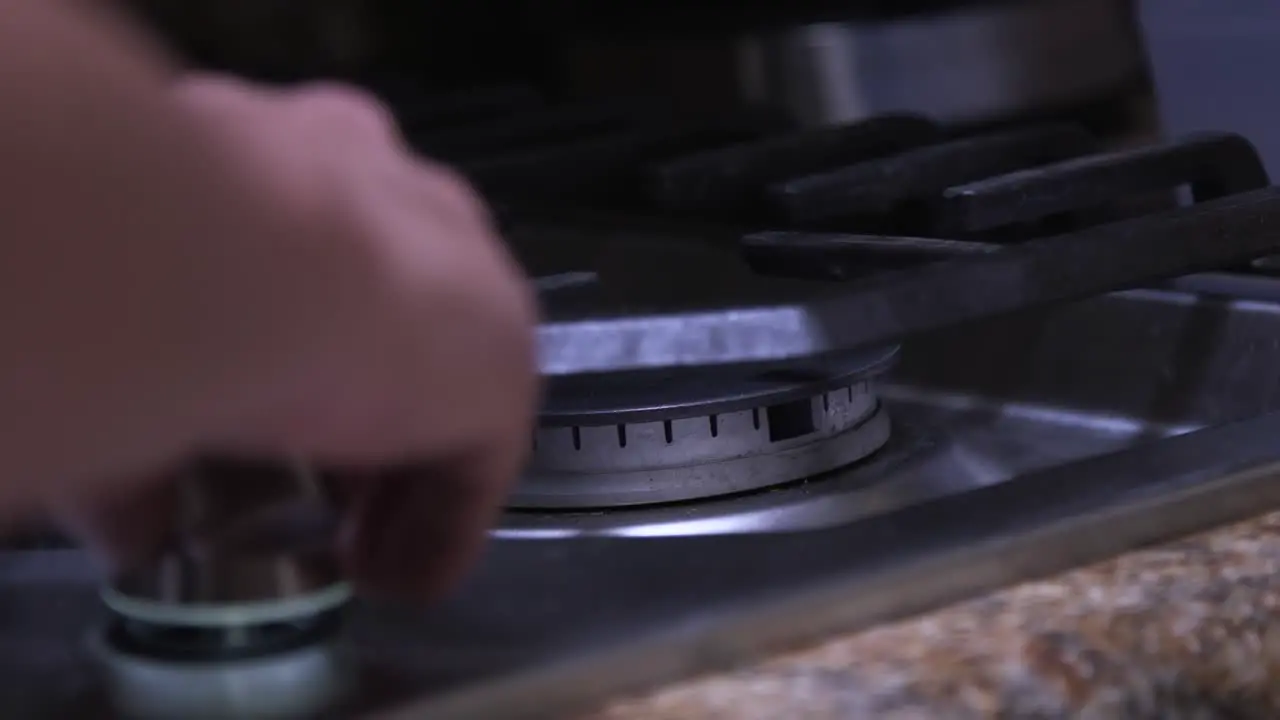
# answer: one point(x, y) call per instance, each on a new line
point(705, 378)
point(799, 381)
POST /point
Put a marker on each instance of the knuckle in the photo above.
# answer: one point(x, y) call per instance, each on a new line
point(359, 110)
point(456, 190)
point(202, 84)
point(216, 94)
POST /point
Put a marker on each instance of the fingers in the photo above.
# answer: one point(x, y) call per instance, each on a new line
point(124, 529)
point(409, 534)
point(412, 534)
point(431, 314)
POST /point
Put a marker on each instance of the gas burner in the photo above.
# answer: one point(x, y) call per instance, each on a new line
point(916, 463)
point(616, 442)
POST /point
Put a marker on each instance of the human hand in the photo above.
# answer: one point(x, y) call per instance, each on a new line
point(420, 354)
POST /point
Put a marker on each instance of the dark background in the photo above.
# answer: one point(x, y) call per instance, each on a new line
point(449, 45)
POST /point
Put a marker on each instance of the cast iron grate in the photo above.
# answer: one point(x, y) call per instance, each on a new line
point(680, 236)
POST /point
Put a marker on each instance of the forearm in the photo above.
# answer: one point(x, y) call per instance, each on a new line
point(145, 290)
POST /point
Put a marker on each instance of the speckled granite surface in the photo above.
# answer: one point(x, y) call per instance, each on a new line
point(1185, 631)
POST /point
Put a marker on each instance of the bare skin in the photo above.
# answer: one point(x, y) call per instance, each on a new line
point(200, 265)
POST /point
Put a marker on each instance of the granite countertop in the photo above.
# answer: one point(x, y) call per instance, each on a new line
point(1189, 630)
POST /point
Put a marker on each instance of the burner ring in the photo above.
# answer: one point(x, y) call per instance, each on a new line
point(661, 461)
point(685, 435)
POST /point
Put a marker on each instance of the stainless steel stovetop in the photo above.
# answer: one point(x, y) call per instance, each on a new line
point(776, 412)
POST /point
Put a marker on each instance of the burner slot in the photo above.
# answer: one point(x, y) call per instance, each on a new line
point(1213, 164)
point(792, 420)
point(731, 179)
point(913, 178)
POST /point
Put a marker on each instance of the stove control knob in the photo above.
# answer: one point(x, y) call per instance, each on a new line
point(252, 544)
